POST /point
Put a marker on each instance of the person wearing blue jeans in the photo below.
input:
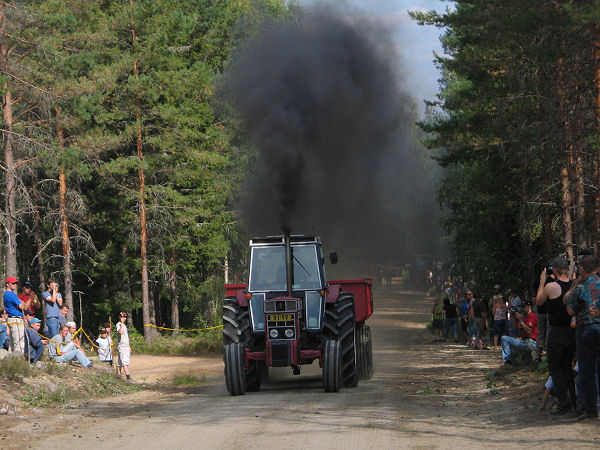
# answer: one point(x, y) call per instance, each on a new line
point(583, 301)
point(62, 350)
point(54, 301)
point(528, 323)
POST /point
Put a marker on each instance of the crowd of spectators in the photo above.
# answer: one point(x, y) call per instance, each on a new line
point(23, 336)
point(561, 322)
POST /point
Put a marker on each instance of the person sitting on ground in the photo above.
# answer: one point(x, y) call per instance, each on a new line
point(104, 347)
point(71, 337)
point(451, 314)
point(528, 323)
point(61, 350)
point(3, 333)
point(34, 344)
point(28, 315)
point(548, 387)
point(437, 320)
point(62, 316)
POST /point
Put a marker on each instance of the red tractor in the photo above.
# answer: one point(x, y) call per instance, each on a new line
point(288, 315)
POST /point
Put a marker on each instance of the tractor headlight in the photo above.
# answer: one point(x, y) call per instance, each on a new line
point(289, 333)
point(273, 333)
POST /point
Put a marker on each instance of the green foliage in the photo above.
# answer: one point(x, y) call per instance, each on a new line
point(204, 342)
point(510, 99)
point(45, 398)
point(188, 380)
point(15, 368)
point(108, 384)
point(76, 74)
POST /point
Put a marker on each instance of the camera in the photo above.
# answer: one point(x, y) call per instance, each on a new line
point(549, 270)
point(517, 309)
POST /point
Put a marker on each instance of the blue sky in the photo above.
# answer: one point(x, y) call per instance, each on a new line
point(416, 44)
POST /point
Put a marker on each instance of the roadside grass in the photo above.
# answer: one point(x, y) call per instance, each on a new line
point(58, 385)
point(204, 342)
point(188, 380)
point(14, 369)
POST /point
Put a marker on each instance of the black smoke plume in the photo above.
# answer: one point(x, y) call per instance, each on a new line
point(322, 100)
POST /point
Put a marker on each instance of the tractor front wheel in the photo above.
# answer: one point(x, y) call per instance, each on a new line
point(235, 377)
point(332, 366)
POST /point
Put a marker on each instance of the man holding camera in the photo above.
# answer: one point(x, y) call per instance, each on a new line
point(582, 301)
point(554, 284)
point(527, 320)
point(54, 301)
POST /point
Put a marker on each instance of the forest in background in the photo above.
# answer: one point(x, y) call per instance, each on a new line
point(517, 122)
point(119, 178)
point(122, 167)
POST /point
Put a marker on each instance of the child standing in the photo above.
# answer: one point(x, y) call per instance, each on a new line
point(104, 343)
point(123, 347)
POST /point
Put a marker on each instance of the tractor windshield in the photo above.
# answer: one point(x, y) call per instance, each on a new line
point(267, 269)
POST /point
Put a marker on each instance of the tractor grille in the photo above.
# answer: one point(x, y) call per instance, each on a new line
point(280, 353)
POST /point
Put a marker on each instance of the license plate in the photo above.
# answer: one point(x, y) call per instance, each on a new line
point(280, 317)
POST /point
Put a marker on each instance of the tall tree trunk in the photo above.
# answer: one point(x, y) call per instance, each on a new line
point(174, 296)
point(10, 181)
point(565, 181)
point(147, 309)
point(64, 222)
point(37, 229)
point(226, 269)
point(596, 233)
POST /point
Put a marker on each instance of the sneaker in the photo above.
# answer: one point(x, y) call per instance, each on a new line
point(586, 416)
point(90, 365)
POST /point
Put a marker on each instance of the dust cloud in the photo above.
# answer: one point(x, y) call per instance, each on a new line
point(324, 104)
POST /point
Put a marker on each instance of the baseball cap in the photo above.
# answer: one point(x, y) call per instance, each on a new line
point(28, 284)
point(34, 320)
point(122, 314)
point(496, 286)
point(11, 280)
point(70, 324)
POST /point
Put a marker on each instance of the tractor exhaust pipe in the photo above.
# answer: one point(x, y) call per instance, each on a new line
point(288, 261)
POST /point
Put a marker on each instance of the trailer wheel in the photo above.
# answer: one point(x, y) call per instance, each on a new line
point(364, 352)
point(235, 378)
point(237, 330)
point(340, 325)
point(332, 366)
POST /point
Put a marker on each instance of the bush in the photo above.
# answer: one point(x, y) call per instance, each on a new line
point(187, 380)
point(204, 342)
point(14, 368)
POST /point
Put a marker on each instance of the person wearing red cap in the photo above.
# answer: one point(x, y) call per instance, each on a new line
point(15, 307)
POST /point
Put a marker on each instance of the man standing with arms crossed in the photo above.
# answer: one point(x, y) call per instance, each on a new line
point(561, 337)
point(15, 307)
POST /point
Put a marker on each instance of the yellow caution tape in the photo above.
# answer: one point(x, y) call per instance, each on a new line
point(182, 329)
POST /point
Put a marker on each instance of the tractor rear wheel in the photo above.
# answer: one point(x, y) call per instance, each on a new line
point(235, 378)
point(364, 352)
point(332, 366)
point(340, 325)
point(237, 330)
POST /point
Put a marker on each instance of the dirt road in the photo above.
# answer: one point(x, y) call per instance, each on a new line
point(422, 395)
